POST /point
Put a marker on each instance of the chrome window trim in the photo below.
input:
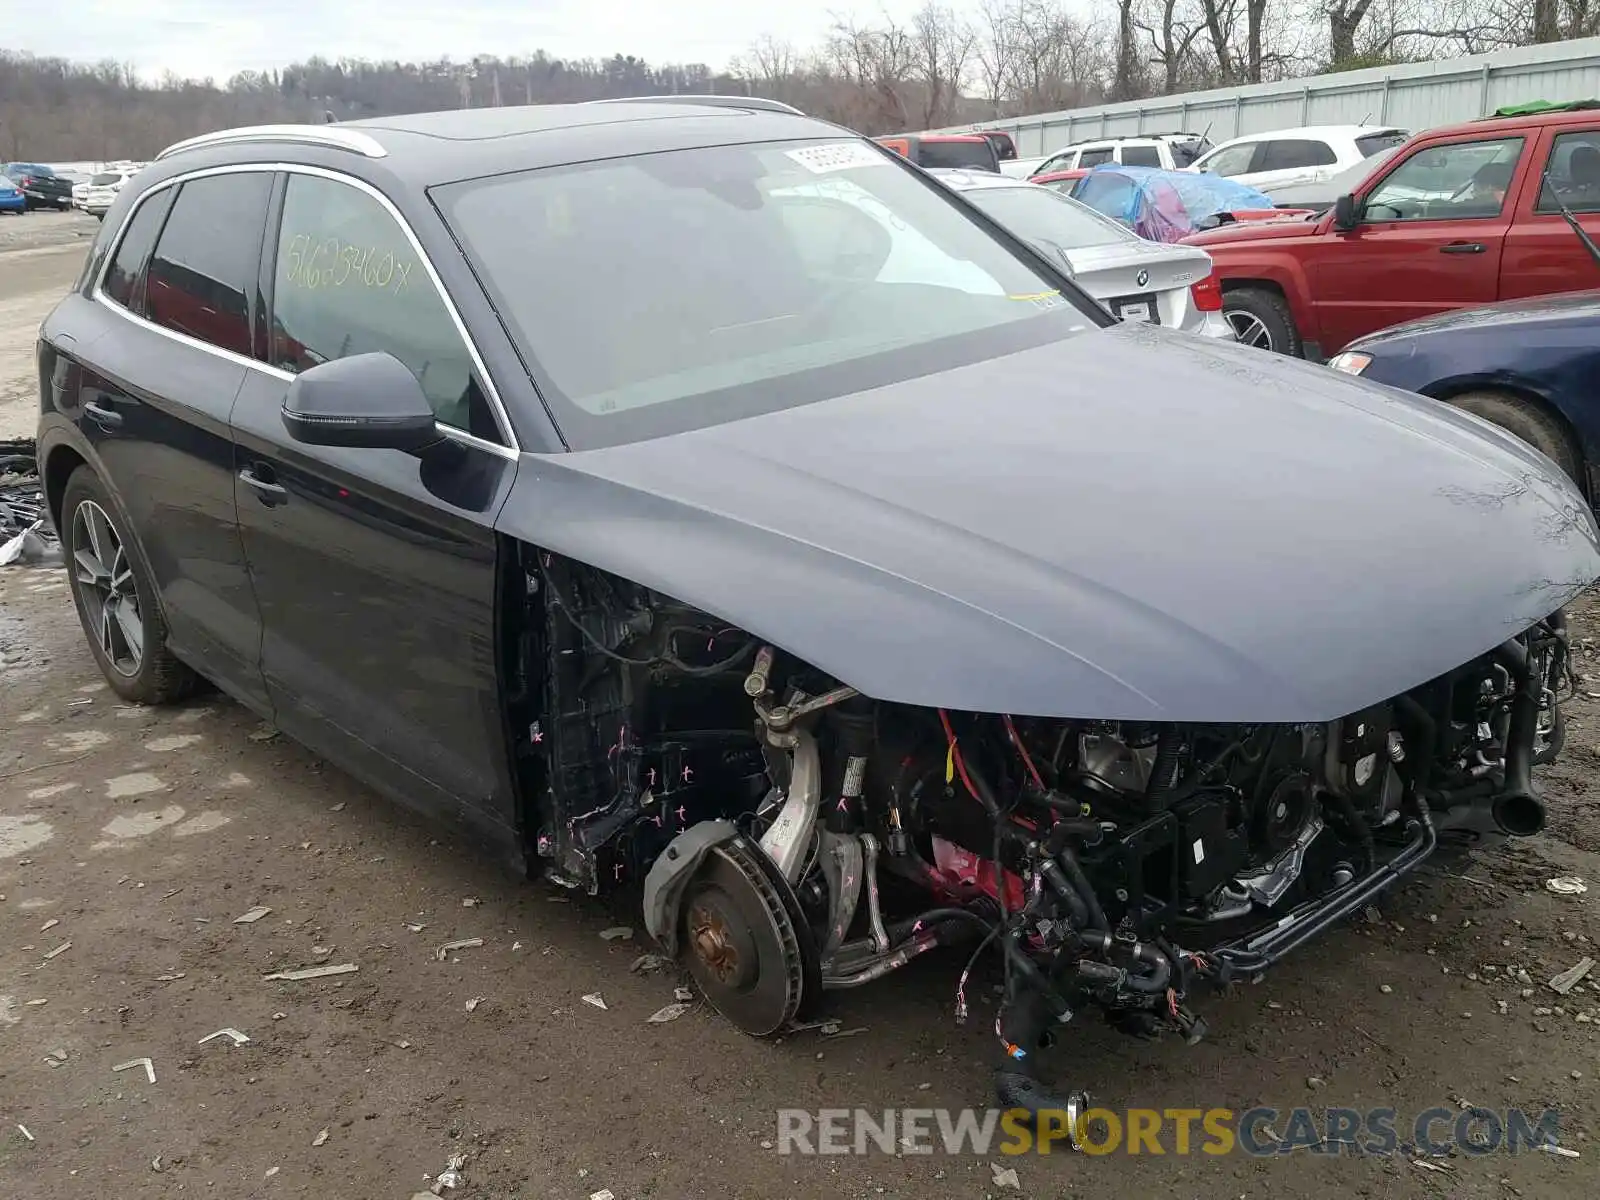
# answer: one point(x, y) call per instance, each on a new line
point(502, 420)
point(335, 136)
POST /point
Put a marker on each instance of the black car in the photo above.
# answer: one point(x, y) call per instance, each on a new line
point(42, 187)
point(705, 506)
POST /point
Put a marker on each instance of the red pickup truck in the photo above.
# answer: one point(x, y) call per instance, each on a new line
point(1460, 216)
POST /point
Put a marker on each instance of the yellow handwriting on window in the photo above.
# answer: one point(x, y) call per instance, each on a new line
point(314, 263)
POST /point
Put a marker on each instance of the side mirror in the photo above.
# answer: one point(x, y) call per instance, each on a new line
point(1346, 214)
point(368, 400)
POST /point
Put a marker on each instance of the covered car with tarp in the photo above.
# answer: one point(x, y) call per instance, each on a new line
point(1166, 206)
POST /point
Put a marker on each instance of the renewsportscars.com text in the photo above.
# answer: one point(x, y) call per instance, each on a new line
point(1259, 1131)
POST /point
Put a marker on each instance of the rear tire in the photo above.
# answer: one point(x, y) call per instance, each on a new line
point(1261, 318)
point(116, 603)
point(1527, 421)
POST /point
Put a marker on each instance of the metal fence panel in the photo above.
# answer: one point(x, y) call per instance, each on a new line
point(1414, 96)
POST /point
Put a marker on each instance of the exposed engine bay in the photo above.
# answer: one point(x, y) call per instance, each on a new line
point(792, 836)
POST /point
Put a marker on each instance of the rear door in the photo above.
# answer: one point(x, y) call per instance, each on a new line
point(1542, 253)
point(1291, 160)
point(377, 570)
point(1430, 240)
point(156, 407)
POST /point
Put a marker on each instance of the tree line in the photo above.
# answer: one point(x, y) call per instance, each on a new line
point(941, 66)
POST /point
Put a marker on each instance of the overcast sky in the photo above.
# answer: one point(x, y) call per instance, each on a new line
point(219, 37)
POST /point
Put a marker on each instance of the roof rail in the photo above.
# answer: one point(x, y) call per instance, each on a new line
point(334, 137)
point(759, 103)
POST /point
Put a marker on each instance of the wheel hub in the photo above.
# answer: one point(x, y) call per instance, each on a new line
point(745, 949)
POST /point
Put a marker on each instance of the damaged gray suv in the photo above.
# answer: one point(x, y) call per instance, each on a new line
point(698, 503)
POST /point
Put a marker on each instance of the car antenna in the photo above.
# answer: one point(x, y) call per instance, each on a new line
point(1367, 117)
point(1583, 236)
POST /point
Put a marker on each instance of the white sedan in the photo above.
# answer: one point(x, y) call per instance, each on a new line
point(1137, 280)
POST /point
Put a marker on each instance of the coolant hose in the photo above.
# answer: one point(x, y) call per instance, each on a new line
point(1065, 892)
point(1160, 964)
point(1074, 871)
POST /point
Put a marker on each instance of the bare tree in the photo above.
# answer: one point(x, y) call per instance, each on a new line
point(773, 68)
point(996, 49)
point(1057, 60)
point(1172, 27)
point(875, 61)
point(941, 49)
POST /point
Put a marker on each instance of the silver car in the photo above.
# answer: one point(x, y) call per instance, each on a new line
point(1137, 280)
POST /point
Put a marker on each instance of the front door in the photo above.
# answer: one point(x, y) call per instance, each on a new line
point(1432, 232)
point(156, 409)
point(377, 571)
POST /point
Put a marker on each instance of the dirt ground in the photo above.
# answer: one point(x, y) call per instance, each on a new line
point(131, 840)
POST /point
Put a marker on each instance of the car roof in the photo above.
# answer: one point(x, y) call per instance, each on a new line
point(1312, 131)
point(425, 149)
point(1491, 125)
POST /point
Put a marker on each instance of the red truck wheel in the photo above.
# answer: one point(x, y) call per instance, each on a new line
point(1262, 319)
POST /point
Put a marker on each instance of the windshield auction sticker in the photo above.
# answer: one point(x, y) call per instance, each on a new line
point(837, 156)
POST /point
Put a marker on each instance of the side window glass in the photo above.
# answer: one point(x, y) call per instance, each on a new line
point(1459, 181)
point(1284, 154)
point(1231, 161)
point(122, 278)
point(347, 281)
point(1141, 156)
point(204, 267)
point(1093, 158)
point(1573, 172)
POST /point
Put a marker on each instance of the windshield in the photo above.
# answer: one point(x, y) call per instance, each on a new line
point(1048, 219)
point(104, 178)
point(669, 291)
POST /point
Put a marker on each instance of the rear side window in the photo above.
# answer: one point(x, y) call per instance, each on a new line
point(1283, 154)
point(1003, 145)
point(122, 279)
point(1573, 171)
point(204, 267)
point(976, 155)
point(348, 281)
point(1370, 143)
point(1141, 156)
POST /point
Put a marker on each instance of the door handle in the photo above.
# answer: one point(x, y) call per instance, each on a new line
point(267, 492)
point(102, 416)
point(1462, 248)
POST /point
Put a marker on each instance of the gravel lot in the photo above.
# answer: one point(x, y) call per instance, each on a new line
point(132, 839)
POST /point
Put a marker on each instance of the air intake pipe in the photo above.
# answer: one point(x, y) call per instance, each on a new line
point(1517, 811)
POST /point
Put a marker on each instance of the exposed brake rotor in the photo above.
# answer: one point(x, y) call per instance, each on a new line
point(753, 961)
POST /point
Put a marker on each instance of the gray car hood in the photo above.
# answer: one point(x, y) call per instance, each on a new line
point(1125, 524)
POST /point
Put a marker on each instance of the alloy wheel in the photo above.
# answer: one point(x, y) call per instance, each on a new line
point(106, 587)
point(1249, 329)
